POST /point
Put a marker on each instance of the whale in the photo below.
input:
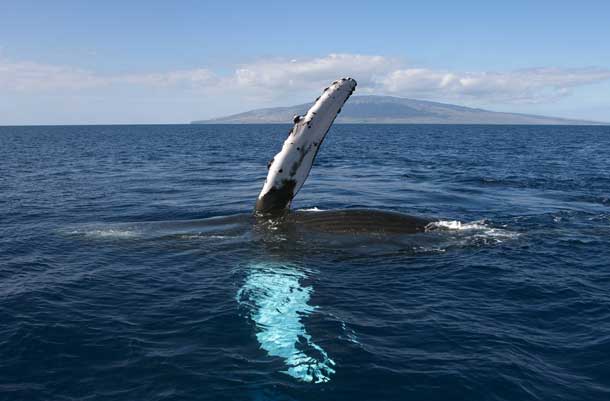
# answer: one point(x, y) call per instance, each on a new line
point(273, 294)
point(289, 168)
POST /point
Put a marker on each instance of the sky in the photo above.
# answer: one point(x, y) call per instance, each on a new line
point(123, 62)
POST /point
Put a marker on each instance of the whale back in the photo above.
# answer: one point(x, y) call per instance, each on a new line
point(358, 221)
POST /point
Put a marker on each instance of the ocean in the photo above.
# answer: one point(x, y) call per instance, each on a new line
point(131, 269)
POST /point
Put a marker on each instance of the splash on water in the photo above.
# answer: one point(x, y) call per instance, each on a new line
point(108, 233)
point(478, 229)
point(311, 209)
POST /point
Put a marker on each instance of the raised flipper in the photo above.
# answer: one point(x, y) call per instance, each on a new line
point(289, 169)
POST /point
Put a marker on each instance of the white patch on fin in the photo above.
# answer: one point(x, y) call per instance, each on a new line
point(289, 169)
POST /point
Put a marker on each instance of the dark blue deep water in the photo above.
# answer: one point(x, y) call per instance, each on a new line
point(130, 268)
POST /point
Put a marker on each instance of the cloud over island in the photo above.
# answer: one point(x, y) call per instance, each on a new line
point(376, 74)
point(278, 79)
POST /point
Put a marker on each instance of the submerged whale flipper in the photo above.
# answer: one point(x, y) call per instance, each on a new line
point(289, 169)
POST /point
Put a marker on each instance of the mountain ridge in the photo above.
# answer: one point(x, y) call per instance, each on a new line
point(375, 109)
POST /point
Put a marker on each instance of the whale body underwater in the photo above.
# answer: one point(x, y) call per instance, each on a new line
point(289, 169)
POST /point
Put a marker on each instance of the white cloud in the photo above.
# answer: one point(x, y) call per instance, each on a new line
point(36, 77)
point(27, 76)
point(300, 78)
point(197, 78)
point(316, 72)
point(532, 85)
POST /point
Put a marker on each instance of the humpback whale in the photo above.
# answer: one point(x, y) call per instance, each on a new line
point(289, 169)
point(272, 293)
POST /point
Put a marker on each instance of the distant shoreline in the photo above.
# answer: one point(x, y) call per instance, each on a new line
point(373, 109)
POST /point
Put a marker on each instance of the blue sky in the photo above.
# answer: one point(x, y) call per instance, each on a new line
point(170, 62)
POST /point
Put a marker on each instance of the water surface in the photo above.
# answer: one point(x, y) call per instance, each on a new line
point(130, 267)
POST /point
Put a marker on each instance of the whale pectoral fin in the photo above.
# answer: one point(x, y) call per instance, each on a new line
point(289, 169)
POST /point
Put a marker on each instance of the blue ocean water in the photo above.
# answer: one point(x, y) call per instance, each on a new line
point(130, 267)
